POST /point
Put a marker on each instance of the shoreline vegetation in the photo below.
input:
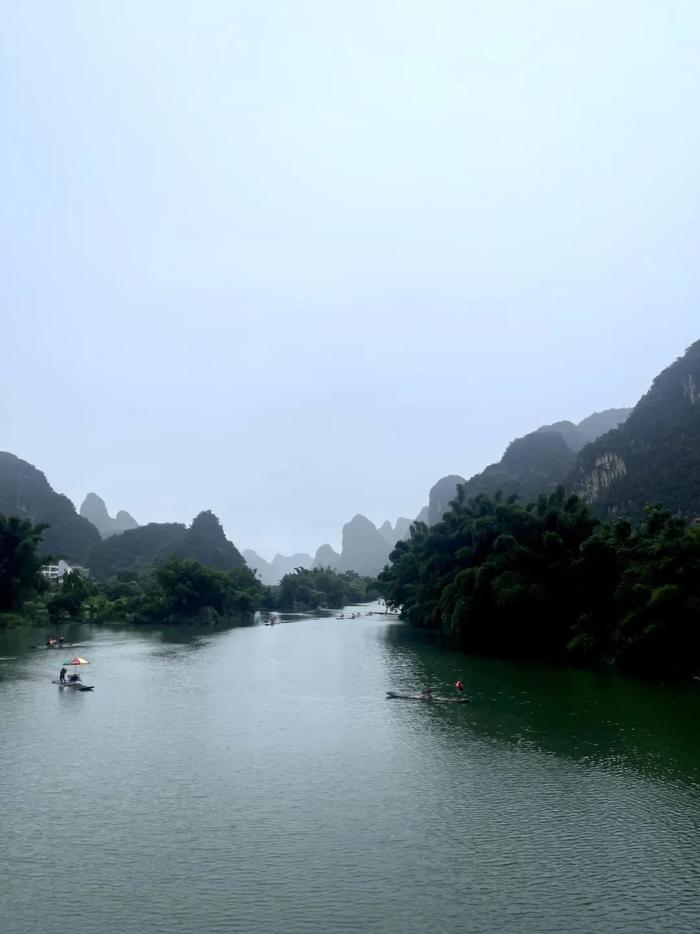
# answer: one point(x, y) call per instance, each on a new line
point(175, 590)
point(549, 580)
point(544, 580)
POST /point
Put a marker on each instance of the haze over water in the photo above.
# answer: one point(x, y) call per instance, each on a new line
point(256, 779)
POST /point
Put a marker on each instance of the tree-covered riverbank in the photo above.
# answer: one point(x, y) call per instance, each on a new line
point(174, 590)
point(549, 580)
point(177, 590)
point(312, 589)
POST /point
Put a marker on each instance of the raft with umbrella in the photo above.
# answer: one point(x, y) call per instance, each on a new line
point(74, 681)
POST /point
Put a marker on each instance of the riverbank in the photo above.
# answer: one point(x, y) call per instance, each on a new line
point(12, 620)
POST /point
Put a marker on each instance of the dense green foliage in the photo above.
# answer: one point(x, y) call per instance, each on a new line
point(309, 589)
point(139, 550)
point(187, 588)
point(25, 492)
point(71, 597)
point(175, 590)
point(550, 580)
point(19, 562)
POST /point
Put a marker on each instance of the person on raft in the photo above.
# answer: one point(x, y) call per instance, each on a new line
point(460, 687)
point(62, 676)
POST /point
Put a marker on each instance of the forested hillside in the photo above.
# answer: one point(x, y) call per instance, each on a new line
point(536, 463)
point(26, 493)
point(139, 549)
point(654, 456)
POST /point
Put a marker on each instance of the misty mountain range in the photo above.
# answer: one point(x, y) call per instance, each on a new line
point(95, 509)
point(617, 460)
point(536, 463)
point(136, 550)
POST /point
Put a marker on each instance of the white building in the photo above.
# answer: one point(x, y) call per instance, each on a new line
point(56, 572)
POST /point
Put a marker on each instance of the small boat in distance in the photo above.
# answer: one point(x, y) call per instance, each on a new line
point(428, 698)
point(73, 681)
point(65, 645)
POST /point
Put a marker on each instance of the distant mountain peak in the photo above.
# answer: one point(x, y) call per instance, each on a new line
point(535, 463)
point(394, 533)
point(93, 503)
point(207, 523)
point(272, 572)
point(441, 495)
point(326, 557)
point(588, 429)
point(140, 548)
point(94, 509)
point(365, 550)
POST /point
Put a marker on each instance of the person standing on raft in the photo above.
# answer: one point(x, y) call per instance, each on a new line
point(460, 687)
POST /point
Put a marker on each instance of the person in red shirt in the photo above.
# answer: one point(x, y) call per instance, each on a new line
point(460, 687)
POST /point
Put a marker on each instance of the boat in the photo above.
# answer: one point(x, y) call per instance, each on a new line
point(74, 681)
point(74, 685)
point(65, 645)
point(429, 698)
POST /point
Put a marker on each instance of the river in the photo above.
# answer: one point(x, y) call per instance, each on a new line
point(256, 779)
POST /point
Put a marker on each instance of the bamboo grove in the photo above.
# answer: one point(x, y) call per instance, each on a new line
point(548, 579)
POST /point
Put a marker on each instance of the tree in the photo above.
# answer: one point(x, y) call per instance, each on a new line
point(310, 588)
point(19, 564)
point(548, 579)
point(187, 588)
point(74, 592)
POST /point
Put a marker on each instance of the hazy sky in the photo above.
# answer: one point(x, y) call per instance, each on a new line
point(296, 260)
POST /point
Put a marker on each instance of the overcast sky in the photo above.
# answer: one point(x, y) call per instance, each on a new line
point(296, 260)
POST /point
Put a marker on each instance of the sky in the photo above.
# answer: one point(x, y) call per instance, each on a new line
point(291, 261)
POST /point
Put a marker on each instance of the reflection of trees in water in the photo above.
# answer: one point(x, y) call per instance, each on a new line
point(187, 635)
point(600, 718)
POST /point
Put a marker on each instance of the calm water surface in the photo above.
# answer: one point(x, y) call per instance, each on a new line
point(257, 780)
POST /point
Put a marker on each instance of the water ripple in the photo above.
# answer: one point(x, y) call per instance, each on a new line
point(260, 781)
